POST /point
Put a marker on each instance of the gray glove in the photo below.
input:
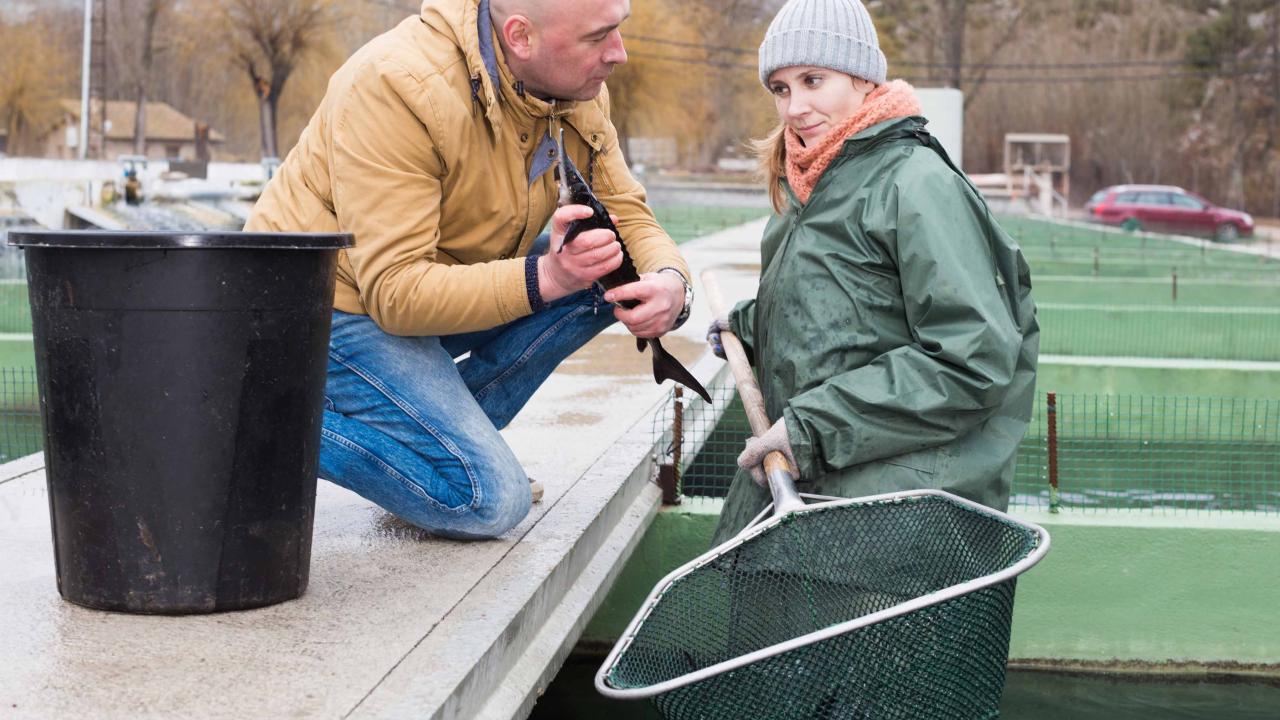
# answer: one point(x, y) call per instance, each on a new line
point(752, 456)
point(718, 326)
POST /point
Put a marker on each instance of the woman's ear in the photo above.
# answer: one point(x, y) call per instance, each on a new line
point(517, 36)
point(863, 86)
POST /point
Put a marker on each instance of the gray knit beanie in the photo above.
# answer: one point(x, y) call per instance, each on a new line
point(835, 34)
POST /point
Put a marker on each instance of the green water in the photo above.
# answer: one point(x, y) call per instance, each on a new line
point(1027, 696)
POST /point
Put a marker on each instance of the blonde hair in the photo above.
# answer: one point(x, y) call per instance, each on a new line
point(771, 152)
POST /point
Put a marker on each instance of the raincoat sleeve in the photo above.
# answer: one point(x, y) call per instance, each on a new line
point(387, 192)
point(742, 321)
point(958, 369)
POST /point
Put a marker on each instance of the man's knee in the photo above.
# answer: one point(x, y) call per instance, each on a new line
point(501, 498)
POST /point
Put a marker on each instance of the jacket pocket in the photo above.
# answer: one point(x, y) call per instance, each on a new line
point(929, 461)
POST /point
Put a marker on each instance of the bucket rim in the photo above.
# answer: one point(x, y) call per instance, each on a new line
point(177, 240)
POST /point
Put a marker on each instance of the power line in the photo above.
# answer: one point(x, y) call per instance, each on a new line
point(412, 6)
point(1108, 64)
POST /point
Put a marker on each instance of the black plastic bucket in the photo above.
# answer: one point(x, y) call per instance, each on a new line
point(181, 380)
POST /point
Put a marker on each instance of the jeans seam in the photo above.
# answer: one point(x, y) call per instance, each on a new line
point(476, 496)
point(389, 470)
point(533, 347)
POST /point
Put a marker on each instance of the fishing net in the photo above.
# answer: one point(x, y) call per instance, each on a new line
point(889, 607)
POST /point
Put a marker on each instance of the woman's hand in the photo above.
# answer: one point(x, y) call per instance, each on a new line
point(752, 457)
point(717, 326)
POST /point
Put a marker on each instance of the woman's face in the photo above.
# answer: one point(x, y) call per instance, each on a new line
point(813, 100)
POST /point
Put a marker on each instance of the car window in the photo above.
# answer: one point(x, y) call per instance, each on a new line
point(1153, 198)
point(1127, 198)
point(1097, 197)
point(1186, 201)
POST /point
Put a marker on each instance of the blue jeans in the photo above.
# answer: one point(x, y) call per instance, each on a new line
point(412, 430)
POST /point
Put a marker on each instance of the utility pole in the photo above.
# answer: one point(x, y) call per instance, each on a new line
point(83, 140)
point(99, 121)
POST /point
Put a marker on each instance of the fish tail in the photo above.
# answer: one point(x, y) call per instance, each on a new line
point(666, 367)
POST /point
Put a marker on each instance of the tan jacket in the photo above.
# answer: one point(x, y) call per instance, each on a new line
point(434, 181)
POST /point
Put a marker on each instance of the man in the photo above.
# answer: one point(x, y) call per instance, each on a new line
point(433, 146)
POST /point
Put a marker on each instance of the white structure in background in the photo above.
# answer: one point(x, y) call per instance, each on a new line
point(944, 109)
point(1037, 170)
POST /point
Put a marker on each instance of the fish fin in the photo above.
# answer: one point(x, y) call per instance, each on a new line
point(666, 367)
point(640, 343)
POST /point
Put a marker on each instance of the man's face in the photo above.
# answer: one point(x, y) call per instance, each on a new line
point(576, 46)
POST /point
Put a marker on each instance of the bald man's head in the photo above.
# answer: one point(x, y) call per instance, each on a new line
point(561, 48)
point(536, 10)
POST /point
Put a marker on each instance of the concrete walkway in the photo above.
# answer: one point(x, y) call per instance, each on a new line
point(394, 623)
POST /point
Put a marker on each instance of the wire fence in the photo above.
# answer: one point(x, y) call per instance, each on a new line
point(1155, 454)
point(20, 430)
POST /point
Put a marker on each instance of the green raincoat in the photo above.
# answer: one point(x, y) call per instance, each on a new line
point(893, 328)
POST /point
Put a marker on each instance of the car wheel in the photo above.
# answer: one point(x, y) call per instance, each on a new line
point(1226, 232)
point(1131, 225)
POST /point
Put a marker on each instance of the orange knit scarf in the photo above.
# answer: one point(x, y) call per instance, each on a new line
point(892, 100)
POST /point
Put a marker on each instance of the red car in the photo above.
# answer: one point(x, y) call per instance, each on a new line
point(1167, 209)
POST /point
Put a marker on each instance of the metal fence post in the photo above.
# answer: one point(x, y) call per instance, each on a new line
point(669, 475)
point(1051, 413)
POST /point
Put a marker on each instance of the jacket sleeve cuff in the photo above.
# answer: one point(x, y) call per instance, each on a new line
point(532, 292)
point(808, 457)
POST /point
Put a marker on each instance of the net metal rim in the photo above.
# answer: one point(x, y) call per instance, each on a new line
point(601, 679)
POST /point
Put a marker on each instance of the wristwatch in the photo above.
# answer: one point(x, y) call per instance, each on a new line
point(688, 296)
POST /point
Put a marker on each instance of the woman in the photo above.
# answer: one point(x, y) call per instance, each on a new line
point(893, 334)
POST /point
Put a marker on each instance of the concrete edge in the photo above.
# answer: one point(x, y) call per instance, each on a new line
point(1158, 671)
point(23, 466)
point(1142, 518)
point(541, 662)
point(596, 504)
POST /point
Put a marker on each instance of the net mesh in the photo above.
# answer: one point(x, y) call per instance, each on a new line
point(822, 567)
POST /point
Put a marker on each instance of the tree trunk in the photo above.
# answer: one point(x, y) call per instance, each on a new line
point(266, 118)
point(140, 122)
point(144, 76)
point(953, 18)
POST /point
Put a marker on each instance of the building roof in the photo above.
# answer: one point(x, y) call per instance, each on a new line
point(164, 122)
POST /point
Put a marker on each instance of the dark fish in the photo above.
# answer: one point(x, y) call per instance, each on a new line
point(575, 191)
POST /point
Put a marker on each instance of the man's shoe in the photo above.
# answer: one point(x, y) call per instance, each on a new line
point(537, 489)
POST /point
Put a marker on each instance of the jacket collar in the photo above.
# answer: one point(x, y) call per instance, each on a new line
point(493, 84)
point(881, 132)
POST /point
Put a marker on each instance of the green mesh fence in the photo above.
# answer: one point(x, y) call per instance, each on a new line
point(800, 594)
point(20, 431)
point(15, 313)
point(1154, 453)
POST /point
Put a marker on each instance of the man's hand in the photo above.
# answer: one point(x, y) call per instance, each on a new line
point(661, 298)
point(592, 255)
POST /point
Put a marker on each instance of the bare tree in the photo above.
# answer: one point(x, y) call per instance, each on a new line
point(271, 38)
point(149, 13)
point(922, 26)
point(35, 69)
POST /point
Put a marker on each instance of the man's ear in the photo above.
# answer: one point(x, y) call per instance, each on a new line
point(517, 36)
